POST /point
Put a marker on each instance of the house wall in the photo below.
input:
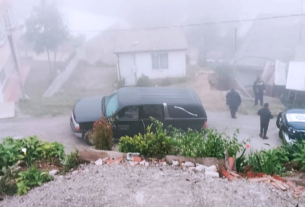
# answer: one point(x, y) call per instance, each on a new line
point(133, 66)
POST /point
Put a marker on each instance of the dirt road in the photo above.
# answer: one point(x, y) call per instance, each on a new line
point(58, 129)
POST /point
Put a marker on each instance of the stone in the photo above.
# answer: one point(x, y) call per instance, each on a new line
point(212, 174)
point(188, 164)
point(75, 172)
point(201, 168)
point(175, 163)
point(130, 155)
point(53, 172)
point(211, 169)
point(99, 162)
point(132, 163)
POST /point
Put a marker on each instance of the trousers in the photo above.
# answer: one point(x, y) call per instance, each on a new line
point(233, 110)
point(264, 129)
point(259, 97)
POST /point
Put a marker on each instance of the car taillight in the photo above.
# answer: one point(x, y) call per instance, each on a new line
point(205, 125)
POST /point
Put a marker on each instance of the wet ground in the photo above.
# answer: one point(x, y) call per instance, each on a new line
point(58, 129)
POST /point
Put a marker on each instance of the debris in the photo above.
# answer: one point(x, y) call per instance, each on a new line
point(130, 156)
point(291, 184)
point(258, 179)
point(175, 163)
point(278, 178)
point(188, 164)
point(142, 162)
point(227, 175)
point(53, 172)
point(212, 174)
point(132, 163)
point(211, 169)
point(75, 172)
point(99, 162)
point(118, 161)
point(201, 168)
point(164, 164)
point(137, 159)
point(146, 164)
point(234, 174)
point(255, 175)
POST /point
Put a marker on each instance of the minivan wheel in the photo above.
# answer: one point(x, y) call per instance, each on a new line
point(88, 137)
point(278, 120)
point(281, 134)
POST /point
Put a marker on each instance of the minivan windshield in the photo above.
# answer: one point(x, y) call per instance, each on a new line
point(111, 104)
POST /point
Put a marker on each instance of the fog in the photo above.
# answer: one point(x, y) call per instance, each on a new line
point(214, 35)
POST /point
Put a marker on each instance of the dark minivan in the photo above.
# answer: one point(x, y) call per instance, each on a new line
point(132, 108)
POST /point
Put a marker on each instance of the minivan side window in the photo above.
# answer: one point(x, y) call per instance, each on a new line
point(129, 112)
point(155, 111)
point(178, 111)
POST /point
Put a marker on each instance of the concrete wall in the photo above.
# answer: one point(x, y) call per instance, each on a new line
point(133, 66)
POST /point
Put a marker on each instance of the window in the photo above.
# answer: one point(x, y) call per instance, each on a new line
point(159, 60)
point(112, 105)
point(155, 111)
point(184, 112)
point(2, 76)
point(130, 112)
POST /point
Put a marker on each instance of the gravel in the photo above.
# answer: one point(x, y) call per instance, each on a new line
point(122, 185)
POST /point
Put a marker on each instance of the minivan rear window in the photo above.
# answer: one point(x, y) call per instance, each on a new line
point(184, 112)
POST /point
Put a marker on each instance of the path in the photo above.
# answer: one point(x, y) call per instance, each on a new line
point(58, 129)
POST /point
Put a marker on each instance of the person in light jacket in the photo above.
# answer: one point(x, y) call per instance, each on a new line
point(233, 101)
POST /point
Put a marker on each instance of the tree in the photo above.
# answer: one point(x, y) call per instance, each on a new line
point(45, 30)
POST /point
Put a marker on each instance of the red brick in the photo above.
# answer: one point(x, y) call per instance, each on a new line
point(227, 175)
point(275, 176)
point(137, 159)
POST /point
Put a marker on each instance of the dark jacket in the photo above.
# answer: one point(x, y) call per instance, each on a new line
point(259, 87)
point(265, 115)
point(233, 99)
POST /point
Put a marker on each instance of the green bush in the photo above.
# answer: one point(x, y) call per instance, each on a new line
point(299, 154)
point(233, 146)
point(29, 150)
point(269, 161)
point(144, 81)
point(102, 135)
point(151, 144)
point(8, 184)
point(71, 161)
point(30, 179)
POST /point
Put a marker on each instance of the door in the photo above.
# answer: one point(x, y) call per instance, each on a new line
point(148, 111)
point(128, 69)
point(128, 122)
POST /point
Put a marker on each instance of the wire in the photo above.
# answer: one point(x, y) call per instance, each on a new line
point(196, 24)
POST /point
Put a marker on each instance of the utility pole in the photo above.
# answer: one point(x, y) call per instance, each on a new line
point(301, 24)
point(13, 51)
point(235, 50)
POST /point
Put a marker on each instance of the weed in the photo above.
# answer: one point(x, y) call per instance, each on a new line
point(299, 155)
point(144, 81)
point(71, 161)
point(30, 179)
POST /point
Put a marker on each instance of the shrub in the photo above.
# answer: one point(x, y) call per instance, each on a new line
point(144, 81)
point(233, 146)
point(166, 82)
point(299, 155)
point(269, 161)
point(51, 152)
point(71, 161)
point(102, 135)
point(8, 184)
point(151, 144)
point(30, 179)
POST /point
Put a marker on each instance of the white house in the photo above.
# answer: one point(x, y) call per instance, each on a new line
point(156, 53)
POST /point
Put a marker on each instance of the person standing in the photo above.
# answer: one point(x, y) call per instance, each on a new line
point(259, 90)
point(233, 101)
point(265, 116)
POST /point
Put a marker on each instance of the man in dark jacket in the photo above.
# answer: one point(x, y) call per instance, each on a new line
point(259, 89)
point(233, 101)
point(265, 116)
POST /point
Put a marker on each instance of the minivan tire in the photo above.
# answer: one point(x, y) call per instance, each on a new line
point(278, 120)
point(87, 137)
point(281, 134)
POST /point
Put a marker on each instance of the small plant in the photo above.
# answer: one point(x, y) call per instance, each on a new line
point(233, 146)
point(8, 184)
point(51, 152)
point(144, 81)
point(30, 179)
point(71, 161)
point(102, 135)
point(299, 155)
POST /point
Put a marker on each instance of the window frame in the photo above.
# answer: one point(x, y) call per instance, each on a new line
point(158, 57)
point(158, 105)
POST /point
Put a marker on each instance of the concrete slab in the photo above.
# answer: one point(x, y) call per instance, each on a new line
point(7, 110)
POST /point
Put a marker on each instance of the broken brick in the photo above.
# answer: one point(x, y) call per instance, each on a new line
point(275, 176)
point(255, 175)
point(137, 159)
point(234, 174)
point(117, 161)
point(258, 179)
point(291, 184)
point(227, 175)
